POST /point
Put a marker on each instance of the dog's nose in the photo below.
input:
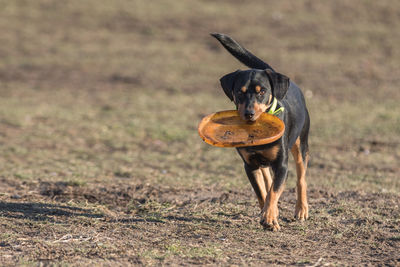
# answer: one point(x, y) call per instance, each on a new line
point(249, 114)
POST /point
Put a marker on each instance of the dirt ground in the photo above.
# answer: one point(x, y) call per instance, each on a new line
point(101, 163)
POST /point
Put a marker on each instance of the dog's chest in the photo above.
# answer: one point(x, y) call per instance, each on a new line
point(259, 156)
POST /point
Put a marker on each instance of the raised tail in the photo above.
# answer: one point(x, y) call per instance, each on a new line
point(241, 53)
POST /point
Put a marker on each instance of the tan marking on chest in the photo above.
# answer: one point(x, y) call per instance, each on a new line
point(272, 153)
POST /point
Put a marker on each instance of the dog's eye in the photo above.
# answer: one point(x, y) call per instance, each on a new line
point(262, 92)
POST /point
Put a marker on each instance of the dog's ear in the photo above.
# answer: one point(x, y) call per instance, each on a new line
point(227, 83)
point(279, 83)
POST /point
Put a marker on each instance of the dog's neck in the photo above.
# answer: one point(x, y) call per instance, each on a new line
point(272, 107)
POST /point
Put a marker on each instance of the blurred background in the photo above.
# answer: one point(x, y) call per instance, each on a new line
point(108, 94)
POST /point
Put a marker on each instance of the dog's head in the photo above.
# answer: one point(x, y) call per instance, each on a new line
point(253, 90)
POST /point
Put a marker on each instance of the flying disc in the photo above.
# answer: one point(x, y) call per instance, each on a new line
point(228, 129)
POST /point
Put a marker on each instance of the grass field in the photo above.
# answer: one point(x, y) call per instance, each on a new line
point(101, 163)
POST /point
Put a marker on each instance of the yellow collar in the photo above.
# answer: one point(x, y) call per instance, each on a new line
point(272, 110)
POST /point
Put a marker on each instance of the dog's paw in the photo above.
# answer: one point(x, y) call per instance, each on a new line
point(301, 211)
point(269, 219)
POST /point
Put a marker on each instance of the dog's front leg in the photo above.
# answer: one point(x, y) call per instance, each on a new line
point(267, 178)
point(269, 215)
point(256, 179)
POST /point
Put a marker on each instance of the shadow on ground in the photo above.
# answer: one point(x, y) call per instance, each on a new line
point(42, 211)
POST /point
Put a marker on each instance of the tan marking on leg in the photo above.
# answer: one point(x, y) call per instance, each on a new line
point(301, 211)
point(267, 178)
point(269, 216)
point(261, 186)
point(246, 156)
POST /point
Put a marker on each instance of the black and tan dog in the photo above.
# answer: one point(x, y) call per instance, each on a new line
point(255, 91)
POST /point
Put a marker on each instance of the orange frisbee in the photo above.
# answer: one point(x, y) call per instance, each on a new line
point(227, 129)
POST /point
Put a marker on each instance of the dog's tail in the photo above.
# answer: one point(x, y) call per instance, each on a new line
point(241, 53)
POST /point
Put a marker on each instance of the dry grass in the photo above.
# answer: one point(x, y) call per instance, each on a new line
point(100, 159)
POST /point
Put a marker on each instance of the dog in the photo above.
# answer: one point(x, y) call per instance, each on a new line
point(257, 90)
